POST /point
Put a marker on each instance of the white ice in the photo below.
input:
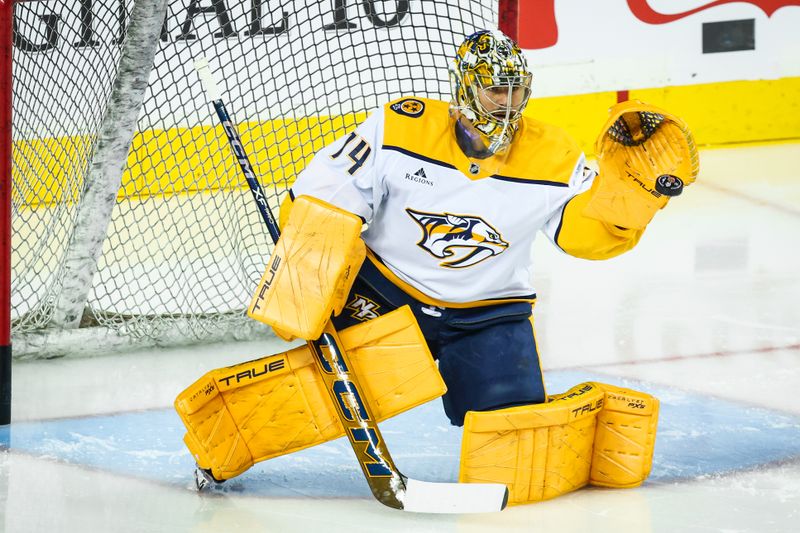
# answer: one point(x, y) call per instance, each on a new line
point(705, 311)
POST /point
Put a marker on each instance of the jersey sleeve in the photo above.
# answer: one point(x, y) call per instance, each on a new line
point(580, 180)
point(347, 173)
point(581, 236)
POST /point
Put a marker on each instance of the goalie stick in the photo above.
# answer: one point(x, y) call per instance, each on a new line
point(388, 484)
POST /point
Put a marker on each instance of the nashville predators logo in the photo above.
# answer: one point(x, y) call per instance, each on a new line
point(363, 308)
point(462, 240)
point(408, 107)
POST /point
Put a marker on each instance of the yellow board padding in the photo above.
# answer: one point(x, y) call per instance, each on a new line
point(581, 115)
point(717, 113)
point(594, 433)
point(200, 159)
point(186, 160)
point(733, 112)
point(240, 415)
point(180, 160)
point(310, 271)
point(49, 170)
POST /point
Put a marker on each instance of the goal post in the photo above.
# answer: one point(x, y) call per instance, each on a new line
point(6, 43)
point(130, 224)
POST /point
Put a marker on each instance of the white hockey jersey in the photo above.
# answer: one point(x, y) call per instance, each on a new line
point(442, 226)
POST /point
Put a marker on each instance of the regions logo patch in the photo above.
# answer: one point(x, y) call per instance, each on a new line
point(462, 240)
point(419, 177)
point(408, 107)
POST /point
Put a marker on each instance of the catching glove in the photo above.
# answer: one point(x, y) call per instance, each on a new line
point(646, 156)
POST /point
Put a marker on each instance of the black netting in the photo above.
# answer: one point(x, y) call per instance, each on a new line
point(185, 246)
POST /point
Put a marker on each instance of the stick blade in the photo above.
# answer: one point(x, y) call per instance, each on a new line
point(424, 497)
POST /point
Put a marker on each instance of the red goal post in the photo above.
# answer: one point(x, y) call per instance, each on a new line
point(6, 40)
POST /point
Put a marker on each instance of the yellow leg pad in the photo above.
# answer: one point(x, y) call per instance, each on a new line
point(592, 434)
point(625, 438)
point(311, 270)
point(538, 451)
point(240, 415)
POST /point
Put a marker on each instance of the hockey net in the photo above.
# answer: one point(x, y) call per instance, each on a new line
point(161, 243)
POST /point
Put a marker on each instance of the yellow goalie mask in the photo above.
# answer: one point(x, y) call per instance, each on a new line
point(491, 85)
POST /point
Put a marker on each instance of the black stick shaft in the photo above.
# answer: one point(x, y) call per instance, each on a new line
point(247, 170)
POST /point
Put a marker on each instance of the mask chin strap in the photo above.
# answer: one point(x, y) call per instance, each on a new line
point(501, 141)
point(467, 139)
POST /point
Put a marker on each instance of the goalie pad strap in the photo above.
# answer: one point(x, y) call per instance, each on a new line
point(240, 415)
point(311, 270)
point(594, 433)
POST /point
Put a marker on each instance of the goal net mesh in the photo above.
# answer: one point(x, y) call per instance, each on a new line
point(183, 245)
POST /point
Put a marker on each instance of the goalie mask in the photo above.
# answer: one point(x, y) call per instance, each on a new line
point(491, 85)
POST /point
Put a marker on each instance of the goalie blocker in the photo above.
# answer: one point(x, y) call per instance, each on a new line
point(311, 270)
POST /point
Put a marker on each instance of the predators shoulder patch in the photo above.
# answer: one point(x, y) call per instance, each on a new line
point(409, 107)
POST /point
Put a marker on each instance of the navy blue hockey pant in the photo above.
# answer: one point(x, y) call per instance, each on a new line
point(487, 355)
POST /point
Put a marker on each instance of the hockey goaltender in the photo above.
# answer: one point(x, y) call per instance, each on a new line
point(436, 207)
